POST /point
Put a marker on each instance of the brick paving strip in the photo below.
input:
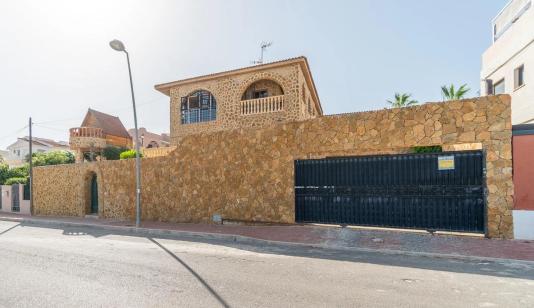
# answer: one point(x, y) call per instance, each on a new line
point(332, 237)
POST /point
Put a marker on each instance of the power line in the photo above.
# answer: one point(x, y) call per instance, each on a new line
point(13, 133)
point(49, 127)
point(111, 111)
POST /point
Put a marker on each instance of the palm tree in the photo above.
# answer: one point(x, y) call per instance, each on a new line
point(450, 93)
point(402, 100)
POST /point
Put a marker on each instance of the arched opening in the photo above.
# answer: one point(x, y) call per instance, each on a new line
point(199, 106)
point(262, 88)
point(152, 144)
point(93, 196)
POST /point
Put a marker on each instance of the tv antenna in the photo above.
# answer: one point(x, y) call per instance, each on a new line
point(263, 47)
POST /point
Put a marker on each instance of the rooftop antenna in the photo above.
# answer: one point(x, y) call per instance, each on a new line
point(263, 46)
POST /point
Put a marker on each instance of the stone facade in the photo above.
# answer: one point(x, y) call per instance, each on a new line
point(249, 174)
point(289, 78)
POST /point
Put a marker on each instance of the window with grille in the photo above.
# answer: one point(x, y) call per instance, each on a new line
point(200, 106)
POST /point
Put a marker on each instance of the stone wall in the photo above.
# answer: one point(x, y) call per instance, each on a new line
point(247, 174)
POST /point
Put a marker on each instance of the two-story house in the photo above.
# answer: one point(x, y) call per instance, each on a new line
point(249, 97)
point(150, 140)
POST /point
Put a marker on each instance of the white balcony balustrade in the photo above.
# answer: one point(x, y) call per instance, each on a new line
point(262, 105)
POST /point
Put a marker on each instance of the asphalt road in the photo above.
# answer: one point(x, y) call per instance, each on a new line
point(85, 267)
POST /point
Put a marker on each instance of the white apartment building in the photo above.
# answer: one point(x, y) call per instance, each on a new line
point(508, 64)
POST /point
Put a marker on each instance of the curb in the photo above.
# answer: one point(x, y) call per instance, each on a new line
point(255, 241)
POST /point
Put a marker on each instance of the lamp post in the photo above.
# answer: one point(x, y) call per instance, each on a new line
point(119, 46)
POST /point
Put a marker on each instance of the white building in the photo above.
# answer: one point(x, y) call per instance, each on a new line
point(18, 151)
point(508, 64)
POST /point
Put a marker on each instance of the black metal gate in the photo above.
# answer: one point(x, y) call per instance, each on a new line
point(15, 198)
point(434, 191)
point(94, 195)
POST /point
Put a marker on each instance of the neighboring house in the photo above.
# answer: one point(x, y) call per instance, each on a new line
point(250, 97)
point(508, 64)
point(98, 131)
point(3, 155)
point(150, 140)
point(18, 151)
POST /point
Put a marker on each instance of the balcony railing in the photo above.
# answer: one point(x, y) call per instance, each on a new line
point(262, 105)
point(87, 132)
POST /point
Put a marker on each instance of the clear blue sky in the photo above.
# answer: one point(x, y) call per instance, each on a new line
point(55, 61)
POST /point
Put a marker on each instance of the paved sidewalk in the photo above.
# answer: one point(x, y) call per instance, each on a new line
point(408, 242)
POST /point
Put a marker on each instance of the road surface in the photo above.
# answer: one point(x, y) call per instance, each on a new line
point(87, 267)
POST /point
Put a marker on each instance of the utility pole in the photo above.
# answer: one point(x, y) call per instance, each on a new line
point(31, 166)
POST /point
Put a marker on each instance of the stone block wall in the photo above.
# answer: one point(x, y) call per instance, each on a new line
point(248, 174)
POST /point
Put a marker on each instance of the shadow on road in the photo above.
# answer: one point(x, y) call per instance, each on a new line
point(504, 268)
point(9, 229)
point(197, 276)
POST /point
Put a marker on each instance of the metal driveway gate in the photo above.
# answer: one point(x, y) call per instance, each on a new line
point(434, 191)
point(15, 198)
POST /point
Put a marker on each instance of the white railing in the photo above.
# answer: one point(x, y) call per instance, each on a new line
point(262, 105)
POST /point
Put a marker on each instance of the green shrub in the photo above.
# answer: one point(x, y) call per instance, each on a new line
point(53, 158)
point(19, 172)
point(113, 152)
point(12, 181)
point(7, 174)
point(4, 173)
point(129, 154)
point(427, 149)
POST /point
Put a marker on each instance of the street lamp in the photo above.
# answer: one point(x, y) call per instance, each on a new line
point(119, 46)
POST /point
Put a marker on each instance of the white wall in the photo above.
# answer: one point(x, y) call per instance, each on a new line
point(514, 48)
point(6, 198)
point(523, 225)
point(7, 203)
point(509, 13)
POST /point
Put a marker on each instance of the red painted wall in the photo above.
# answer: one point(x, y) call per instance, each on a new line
point(523, 154)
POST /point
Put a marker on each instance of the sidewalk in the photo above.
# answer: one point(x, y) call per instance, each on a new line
point(404, 242)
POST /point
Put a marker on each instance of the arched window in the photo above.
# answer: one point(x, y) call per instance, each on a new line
point(262, 88)
point(152, 144)
point(199, 106)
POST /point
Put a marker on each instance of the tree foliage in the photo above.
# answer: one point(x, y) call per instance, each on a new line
point(6, 173)
point(9, 176)
point(427, 149)
point(129, 154)
point(53, 158)
point(402, 100)
point(450, 93)
point(113, 152)
point(12, 181)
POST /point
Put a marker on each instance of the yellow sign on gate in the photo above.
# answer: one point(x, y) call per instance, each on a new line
point(446, 162)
